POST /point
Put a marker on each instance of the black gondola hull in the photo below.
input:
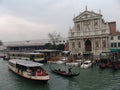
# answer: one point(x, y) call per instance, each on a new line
point(64, 73)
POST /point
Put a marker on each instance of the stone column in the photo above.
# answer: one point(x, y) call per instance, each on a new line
point(82, 45)
point(101, 44)
point(93, 45)
point(93, 27)
point(100, 24)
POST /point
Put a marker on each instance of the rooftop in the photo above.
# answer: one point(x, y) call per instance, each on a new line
point(25, 63)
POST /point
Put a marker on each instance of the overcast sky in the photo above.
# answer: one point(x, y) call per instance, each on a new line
point(34, 19)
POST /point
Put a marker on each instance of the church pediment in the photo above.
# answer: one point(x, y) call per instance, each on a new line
point(86, 15)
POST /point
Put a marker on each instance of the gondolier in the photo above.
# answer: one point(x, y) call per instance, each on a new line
point(69, 70)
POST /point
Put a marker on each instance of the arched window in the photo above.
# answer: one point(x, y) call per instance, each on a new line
point(88, 46)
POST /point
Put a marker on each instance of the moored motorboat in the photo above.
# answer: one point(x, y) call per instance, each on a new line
point(62, 61)
point(29, 70)
point(103, 65)
point(116, 66)
point(37, 57)
point(72, 63)
point(86, 64)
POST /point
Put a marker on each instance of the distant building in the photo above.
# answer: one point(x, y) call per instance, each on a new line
point(2, 49)
point(62, 40)
point(30, 45)
point(27, 45)
point(115, 43)
point(90, 34)
point(67, 46)
point(1, 46)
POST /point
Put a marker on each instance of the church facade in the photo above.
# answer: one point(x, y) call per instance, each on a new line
point(89, 35)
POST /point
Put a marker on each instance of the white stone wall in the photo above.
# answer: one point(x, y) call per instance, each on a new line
point(89, 25)
point(115, 40)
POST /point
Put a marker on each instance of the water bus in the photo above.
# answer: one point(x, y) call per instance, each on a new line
point(110, 59)
point(37, 57)
point(28, 69)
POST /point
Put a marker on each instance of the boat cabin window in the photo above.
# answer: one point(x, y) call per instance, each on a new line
point(12, 64)
point(34, 69)
point(23, 68)
point(39, 56)
point(32, 57)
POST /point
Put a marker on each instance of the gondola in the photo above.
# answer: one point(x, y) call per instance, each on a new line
point(103, 65)
point(64, 73)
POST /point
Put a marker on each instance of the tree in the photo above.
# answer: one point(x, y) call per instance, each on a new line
point(48, 46)
point(60, 47)
point(54, 37)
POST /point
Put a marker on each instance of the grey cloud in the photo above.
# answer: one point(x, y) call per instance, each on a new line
point(56, 13)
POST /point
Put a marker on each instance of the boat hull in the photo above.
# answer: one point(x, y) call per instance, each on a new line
point(63, 73)
point(86, 64)
point(40, 61)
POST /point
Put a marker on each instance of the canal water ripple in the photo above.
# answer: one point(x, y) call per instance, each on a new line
point(89, 79)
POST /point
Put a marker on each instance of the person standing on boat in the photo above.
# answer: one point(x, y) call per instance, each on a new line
point(69, 70)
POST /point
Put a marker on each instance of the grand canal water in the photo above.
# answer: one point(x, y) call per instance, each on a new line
point(89, 79)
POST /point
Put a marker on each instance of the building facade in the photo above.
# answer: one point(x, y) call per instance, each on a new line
point(89, 35)
point(25, 46)
point(30, 45)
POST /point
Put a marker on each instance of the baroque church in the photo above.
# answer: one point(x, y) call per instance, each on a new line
point(90, 34)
